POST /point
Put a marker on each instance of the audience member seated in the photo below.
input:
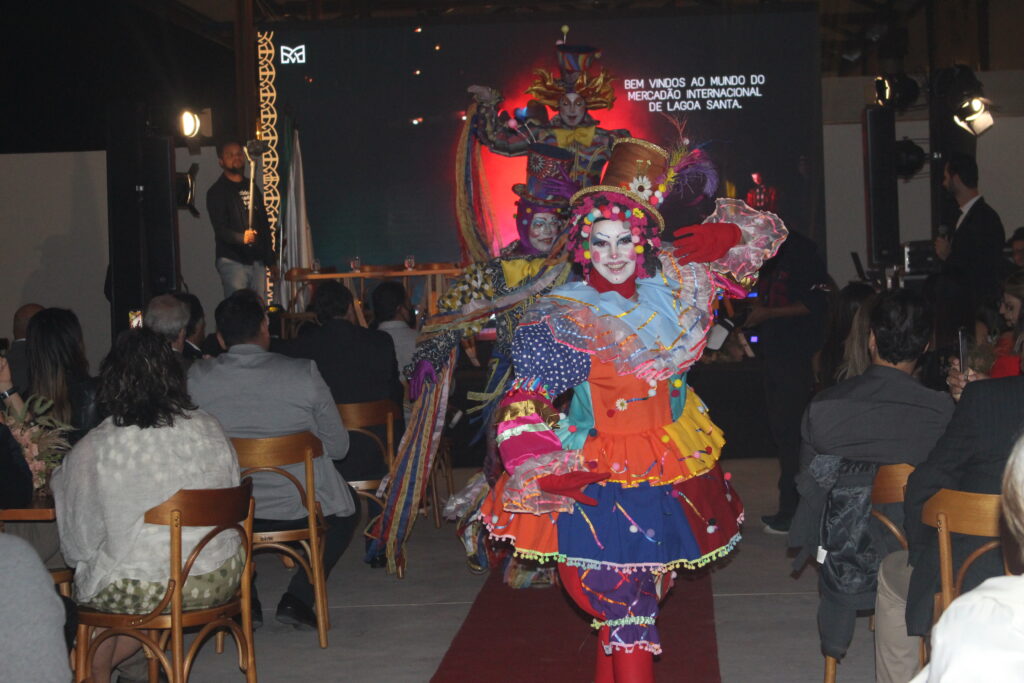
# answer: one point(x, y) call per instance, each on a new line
point(154, 443)
point(856, 357)
point(32, 616)
point(15, 476)
point(883, 416)
point(358, 365)
point(1016, 244)
point(195, 331)
point(830, 359)
point(1008, 344)
point(17, 354)
point(979, 637)
point(257, 394)
point(970, 456)
point(392, 313)
point(58, 371)
point(168, 316)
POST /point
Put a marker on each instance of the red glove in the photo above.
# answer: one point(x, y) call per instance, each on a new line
point(705, 242)
point(571, 484)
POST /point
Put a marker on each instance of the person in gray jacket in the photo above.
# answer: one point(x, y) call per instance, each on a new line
point(884, 416)
point(255, 394)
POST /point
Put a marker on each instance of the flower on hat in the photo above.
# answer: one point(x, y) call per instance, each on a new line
point(642, 186)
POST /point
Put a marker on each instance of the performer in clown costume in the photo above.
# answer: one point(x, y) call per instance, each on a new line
point(626, 487)
point(573, 94)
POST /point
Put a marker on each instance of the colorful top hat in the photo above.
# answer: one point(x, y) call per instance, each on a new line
point(546, 190)
point(633, 183)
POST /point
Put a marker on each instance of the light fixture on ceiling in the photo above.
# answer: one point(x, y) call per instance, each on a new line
point(966, 100)
point(897, 90)
point(189, 123)
point(974, 115)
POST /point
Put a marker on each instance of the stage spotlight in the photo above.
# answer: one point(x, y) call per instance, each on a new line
point(417, 121)
point(962, 92)
point(185, 189)
point(437, 47)
point(189, 123)
point(418, 29)
point(910, 158)
point(973, 115)
point(898, 91)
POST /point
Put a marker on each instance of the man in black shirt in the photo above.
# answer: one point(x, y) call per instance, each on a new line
point(792, 302)
point(243, 252)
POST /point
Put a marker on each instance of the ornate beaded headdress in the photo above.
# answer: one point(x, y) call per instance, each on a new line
point(574, 76)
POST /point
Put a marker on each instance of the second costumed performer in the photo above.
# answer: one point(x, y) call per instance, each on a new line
point(625, 488)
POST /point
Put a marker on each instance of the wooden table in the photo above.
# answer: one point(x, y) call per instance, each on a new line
point(40, 510)
point(435, 280)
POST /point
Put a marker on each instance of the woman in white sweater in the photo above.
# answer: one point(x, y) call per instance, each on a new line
point(153, 444)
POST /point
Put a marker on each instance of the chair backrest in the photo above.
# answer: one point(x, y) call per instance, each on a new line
point(890, 483)
point(271, 453)
point(225, 510)
point(888, 487)
point(277, 451)
point(358, 417)
point(957, 512)
point(203, 507)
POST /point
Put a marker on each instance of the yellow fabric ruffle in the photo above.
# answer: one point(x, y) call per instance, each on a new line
point(519, 269)
point(695, 436)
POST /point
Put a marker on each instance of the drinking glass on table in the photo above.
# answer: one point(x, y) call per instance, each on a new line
point(410, 262)
point(355, 263)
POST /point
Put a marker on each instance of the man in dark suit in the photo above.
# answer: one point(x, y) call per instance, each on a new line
point(970, 456)
point(358, 365)
point(973, 258)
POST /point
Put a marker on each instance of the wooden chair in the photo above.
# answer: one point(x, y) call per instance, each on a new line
point(359, 417)
point(226, 510)
point(957, 512)
point(442, 472)
point(888, 487)
point(271, 455)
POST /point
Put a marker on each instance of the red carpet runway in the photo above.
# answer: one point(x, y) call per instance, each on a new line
point(536, 634)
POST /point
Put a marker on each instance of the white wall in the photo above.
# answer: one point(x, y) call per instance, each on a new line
point(195, 236)
point(53, 222)
point(1000, 170)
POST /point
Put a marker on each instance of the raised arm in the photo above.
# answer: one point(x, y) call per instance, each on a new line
point(488, 127)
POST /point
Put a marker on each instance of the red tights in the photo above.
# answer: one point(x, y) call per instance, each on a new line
point(621, 666)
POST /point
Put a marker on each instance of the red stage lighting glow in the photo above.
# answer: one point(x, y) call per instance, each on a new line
point(501, 173)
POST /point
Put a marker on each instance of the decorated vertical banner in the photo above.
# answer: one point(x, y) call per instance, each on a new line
point(268, 133)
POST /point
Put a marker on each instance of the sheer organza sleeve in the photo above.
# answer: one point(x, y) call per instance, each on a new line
point(763, 233)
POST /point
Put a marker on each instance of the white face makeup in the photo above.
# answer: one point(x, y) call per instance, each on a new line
point(543, 229)
point(612, 251)
point(572, 108)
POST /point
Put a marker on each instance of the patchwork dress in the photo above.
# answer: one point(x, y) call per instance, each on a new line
point(666, 503)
